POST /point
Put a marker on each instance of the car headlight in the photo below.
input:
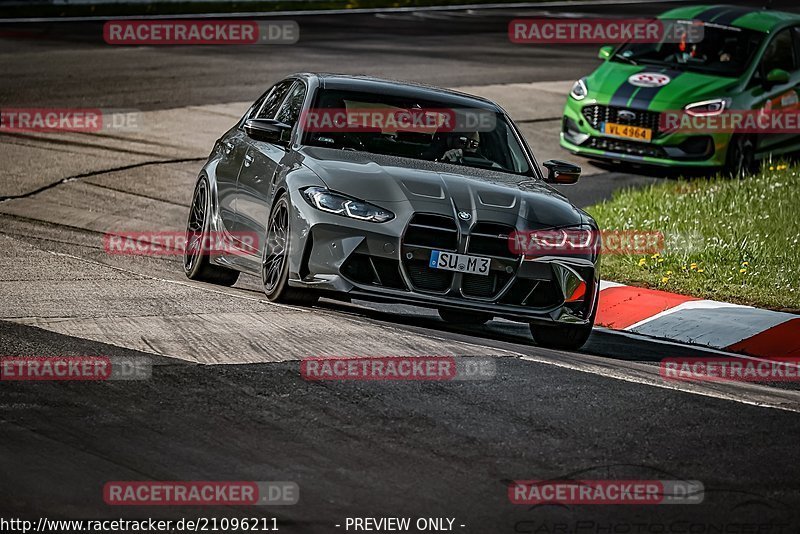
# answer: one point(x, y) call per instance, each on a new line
point(579, 90)
point(339, 204)
point(707, 108)
point(561, 241)
point(567, 239)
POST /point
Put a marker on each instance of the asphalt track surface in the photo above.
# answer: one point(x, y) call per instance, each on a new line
point(226, 401)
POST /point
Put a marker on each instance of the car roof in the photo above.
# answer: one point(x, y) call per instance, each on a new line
point(374, 85)
point(750, 18)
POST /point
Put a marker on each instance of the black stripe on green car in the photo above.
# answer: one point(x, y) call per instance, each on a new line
point(645, 95)
point(729, 16)
point(623, 94)
point(626, 90)
point(710, 13)
point(723, 15)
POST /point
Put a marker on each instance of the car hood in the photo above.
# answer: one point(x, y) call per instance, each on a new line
point(611, 84)
point(431, 187)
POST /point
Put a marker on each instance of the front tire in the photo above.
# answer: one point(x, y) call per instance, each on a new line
point(740, 161)
point(565, 337)
point(196, 262)
point(275, 260)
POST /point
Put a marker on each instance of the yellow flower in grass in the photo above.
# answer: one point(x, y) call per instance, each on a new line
point(701, 270)
point(664, 280)
point(693, 266)
point(742, 271)
point(642, 262)
point(669, 273)
point(660, 260)
point(655, 256)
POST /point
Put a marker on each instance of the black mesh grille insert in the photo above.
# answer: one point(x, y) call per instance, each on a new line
point(434, 231)
point(596, 115)
point(423, 277)
point(364, 269)
point(533, 293)
point(475, 285)
point(490, 239)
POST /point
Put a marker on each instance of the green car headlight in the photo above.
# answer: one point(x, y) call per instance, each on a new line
point(339, 204)
point(707, 108)
point(579, 89)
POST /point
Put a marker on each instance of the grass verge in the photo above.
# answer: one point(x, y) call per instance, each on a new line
point(730, 240)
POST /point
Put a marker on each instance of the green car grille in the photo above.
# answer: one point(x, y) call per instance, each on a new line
point(596, 115)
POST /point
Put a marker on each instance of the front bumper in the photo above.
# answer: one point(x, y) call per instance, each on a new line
point(389, 262)
point(585, 137)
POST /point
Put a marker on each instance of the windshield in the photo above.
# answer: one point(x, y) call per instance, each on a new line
point(412, 128)
point(723, 51)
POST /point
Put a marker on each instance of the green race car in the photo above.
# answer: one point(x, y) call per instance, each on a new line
point(747, 59)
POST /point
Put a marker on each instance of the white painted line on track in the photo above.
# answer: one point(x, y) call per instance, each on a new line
point(760, 396)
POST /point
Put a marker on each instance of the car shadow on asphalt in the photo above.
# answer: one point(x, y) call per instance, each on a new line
point(509, 335)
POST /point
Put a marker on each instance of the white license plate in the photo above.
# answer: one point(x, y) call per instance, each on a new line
point(462, 263)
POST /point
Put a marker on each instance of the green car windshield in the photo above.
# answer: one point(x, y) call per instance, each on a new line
point(723, 51)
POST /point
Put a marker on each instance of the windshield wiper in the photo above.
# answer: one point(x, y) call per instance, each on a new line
point(626, 59)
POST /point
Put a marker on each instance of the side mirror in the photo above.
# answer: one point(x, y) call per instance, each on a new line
point(561, 172)
point(267, 130)
point(605, 52)
point(778, 76)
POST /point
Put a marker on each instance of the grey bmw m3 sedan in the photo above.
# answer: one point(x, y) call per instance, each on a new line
point(420, 200)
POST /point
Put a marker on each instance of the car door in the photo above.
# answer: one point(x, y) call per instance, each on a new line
point(261, 166)
point(233, 147)
point(780, 53)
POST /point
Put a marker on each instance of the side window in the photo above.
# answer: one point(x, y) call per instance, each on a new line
point(290, 111)
point(251, 113)
point(273, 100)
point(780, 54)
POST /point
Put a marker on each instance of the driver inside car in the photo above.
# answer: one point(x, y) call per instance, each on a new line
point(466, 145)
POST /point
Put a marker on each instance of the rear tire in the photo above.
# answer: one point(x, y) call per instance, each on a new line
point(196, 262)
point(464, 317)
point(275, 260)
